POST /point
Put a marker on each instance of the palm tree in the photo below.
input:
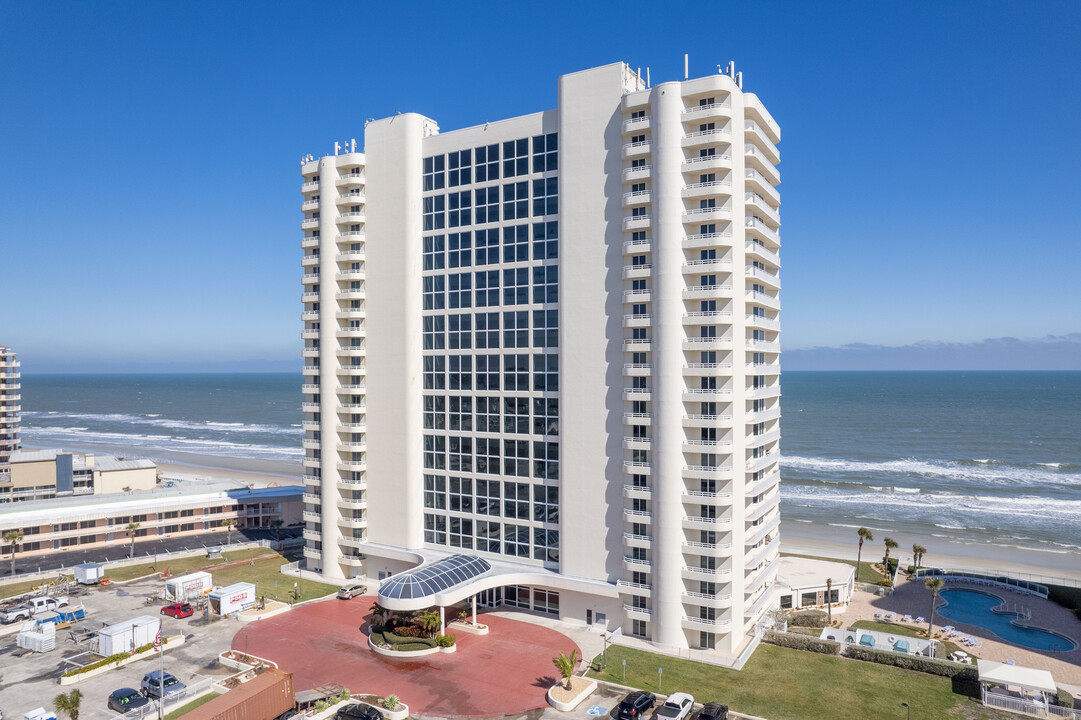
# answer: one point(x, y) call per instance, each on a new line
point(829, 605)
point(131, 528)
point(565, 664)
point(68, 703)
point(430, 621)
point(276, 525)
point(890, 544)
point(380, 615)
point(228, 524)
point(13, 538)
point(933, 584)
point(864, 534)
point(917, 554)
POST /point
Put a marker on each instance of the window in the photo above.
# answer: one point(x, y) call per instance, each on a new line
point(545, 153)
point(516, 543)
point(546, 328)
point(460, 168)
point(487, 204)
point(487, 244)
point(461, 413)
point(786, 602)
point(545, 197)
point(516, 286)
point(487, 163)
point(461, 532)
point(487, 286)
point(460, 294)
point(460, 250)
point(546, 373)
point(546, 284)
point(434, 298)
point(488, 497)
point(488, 374)
point(515, 243)
point(433, 252)
point(487, 454)
point(434, 336)
point(487, 330)
point(515, 158)
point(434, 178)
point(488, 413)
point(515, 373)
point(516, 500)
point(434, 218)
point(516, 329)
point(516, 201)
point(545, 240)
point(461, 372)
point(460, 335)
point(435, 449)
point(808, 599)
point(516, 458)
point(488, 535)
point(546, 460)
point(460, 209)
point(435, 529)
point(516, 415)
point(435, 372)
point(638, 628)
point(546, 601)
point(545, 504)
point(435, 492)
point(461, 459)
point(546, 416)
point(434, 418)
point(461, 494)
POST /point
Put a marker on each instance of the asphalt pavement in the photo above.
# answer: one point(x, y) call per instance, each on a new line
point(145, 548)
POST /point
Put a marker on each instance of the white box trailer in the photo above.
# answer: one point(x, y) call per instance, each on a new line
point(187, 587)
point(128, 635)
point(89, 573)
point(228, 600)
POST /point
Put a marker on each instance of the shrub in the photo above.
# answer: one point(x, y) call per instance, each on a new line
point(410, 631)
point(911, 570)
point(390, 702)
point(885, 583)
point(808, 618)
point(320, 705)
point(1065, 699)
point(802, 642)
point(913, 662)
point(100, 663)
point(344, 694)
point(445, 641)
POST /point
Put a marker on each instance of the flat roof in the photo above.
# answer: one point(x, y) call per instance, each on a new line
point(1005, 674)
point(798, 572)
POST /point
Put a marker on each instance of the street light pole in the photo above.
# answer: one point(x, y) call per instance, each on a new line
point(907, 707)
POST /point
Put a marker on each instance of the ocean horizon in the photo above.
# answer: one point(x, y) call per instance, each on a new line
point(979, 458)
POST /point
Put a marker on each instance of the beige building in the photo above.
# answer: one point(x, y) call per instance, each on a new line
point(181, 509)
point(44, 474)
point(9, 406)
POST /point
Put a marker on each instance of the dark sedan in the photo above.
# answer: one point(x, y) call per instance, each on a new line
point(126, 699)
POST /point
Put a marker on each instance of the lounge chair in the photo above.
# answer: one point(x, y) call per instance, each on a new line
point(920, 619)
point(879, 614)
point(906, 618)
point(1010, 662)
point(891, 615)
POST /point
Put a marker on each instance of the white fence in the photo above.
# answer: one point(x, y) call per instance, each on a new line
point(1028, 707)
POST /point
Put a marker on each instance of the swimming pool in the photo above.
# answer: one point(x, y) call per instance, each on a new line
point(974, 608)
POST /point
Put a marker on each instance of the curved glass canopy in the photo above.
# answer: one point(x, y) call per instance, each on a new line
point(435, 578)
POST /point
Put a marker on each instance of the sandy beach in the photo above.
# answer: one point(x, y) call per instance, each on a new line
point(253, 476)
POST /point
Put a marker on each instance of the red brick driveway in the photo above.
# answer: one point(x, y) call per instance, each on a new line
point(508, 671)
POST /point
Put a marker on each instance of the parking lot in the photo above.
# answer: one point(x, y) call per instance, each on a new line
point(32, 680)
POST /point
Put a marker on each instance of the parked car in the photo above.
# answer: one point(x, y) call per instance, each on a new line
point(126, 699)
point(677, 707)
point(14, 614)
point(635, 705)
point(713, 711)
point(358, 711)
point(350, 591)
point(178, 610)
point(45, 604)
point(157, 684)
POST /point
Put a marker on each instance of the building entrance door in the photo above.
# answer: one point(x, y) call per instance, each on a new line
point(492, 597)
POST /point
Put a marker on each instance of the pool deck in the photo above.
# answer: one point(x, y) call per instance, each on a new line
point(912, 598)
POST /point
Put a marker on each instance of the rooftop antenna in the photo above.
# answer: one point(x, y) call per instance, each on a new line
point(686, 66)
point(337, 147)
point(739, 79)
point(731, 68)
point(647, 76)
point(353, 145)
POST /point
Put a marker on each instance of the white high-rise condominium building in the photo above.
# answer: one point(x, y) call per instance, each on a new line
point(9, 407)
point(549, 345)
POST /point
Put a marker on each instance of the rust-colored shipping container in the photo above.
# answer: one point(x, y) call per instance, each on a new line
point(264, 697)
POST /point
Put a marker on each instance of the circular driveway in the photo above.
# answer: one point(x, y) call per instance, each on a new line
point(506, 672)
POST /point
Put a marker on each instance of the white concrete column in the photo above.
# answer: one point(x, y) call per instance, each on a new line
point(442, 621)
point(474, 601)
point(668, 360)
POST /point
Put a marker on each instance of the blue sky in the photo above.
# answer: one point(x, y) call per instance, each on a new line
point(149, 195)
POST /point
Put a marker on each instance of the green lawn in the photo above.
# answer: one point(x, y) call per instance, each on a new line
point(184, 709)
point(270, 582)
point(867, 573)
point(180, 566)
point(943, 648)
point(783, 684)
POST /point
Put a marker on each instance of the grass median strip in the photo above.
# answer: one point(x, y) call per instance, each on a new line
point(185, 709)
point(783, 684)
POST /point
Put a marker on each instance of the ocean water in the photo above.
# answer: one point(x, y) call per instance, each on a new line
point(977, 458)
point(980, 458)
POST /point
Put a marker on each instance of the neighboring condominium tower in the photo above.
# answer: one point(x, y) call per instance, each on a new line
point(9, 408)
point(550, 344)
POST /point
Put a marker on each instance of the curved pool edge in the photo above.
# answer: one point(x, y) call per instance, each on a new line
point(1074, 645)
